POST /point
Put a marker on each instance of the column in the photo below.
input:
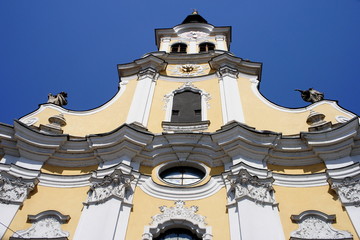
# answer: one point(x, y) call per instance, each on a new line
point(348, 190)
point(230, 95)
point(13, 192)
point(165, 44)
point(106, 212)
point(253, 212)
point(141, 103)
point(220, 43)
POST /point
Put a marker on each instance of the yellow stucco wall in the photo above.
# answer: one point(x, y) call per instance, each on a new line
point(293, 201)
point(309, 169)
point(50, 169)
point(103, 121)
point(263, 117)
point(146, 206)
point(67, 201)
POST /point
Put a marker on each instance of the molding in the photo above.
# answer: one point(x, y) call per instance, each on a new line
point(317, 225)
point(45, 225)
point(179, 216)
point(226, 71)
point(14, 190)
point(244, 186)
point(208, 189)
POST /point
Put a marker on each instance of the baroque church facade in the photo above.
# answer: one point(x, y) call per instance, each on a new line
point(188, 148)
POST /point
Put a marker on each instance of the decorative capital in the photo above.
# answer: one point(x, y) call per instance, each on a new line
point(148, 73)
point(316, 225)
point(245, 186)
point(348, 190)
point(14, 190)
point(226, 71)
point(117, 185)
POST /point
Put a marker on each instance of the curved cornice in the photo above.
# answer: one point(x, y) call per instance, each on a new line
point(233, 141)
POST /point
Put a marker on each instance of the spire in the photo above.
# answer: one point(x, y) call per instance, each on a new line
point(194, 18)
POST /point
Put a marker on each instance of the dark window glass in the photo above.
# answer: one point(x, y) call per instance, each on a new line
point(177, 234)
point(182, 175)
point(186, 107)
point(178, 48)
point(205, 47)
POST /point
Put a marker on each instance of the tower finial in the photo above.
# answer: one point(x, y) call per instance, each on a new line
point(195, 11)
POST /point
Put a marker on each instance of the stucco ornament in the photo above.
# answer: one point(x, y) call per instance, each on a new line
point(190, 87)
point(117, 185)
point(44, 225)
point(179, 214)
point(316, 225)
point(245, 186)
point(193, 35)
point(188, 70)
point(348, 190)
point(14, 190)
point(58, 99)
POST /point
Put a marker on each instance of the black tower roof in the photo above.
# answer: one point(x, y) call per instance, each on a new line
point(194, 18)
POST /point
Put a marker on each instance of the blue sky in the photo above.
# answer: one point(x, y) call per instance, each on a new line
point(74, 46)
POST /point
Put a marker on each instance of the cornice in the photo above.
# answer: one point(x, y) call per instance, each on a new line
point(149, 61)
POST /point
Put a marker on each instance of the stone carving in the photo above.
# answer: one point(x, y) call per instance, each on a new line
point(45, 225)
point(172, 215)
point(311, 95)
point(348, 190)
point(58, 99)
point(243, 185)
point(117, 185)
point(14, 190)
point(316, 225)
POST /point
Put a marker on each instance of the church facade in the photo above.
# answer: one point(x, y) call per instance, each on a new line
point(188, 148)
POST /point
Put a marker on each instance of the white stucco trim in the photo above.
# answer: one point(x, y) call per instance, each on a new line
point(187, 193)
point(8, 212)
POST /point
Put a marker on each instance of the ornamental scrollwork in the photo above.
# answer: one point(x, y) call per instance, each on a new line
point(45, 225)
point(243, 185)
point(117, 185)
point(316, 225)
point(14, 190)
point(348, 190)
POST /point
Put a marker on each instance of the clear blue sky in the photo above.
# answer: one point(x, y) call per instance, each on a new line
point(74, 46)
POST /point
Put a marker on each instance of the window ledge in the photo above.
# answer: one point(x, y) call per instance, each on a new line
point(185, 127)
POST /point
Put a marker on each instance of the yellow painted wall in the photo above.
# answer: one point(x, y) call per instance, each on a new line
point(157, 112)
point(293, 201)
point(264, 117)
point(213, 208)
point(67, 201)
point(309, 169)
point(58, 170)
point(103, 121)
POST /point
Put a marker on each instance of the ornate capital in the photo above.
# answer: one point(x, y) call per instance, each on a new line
point(243, 185)
point(316, 225)
point(226, 71)
point(45, 225)
point(348, 190)
point(117, 185)
point(148, 73)
point(14, 190)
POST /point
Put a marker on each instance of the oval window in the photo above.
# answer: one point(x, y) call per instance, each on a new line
point(182, 175)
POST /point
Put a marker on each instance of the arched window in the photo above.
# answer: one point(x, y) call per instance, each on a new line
point(177, 234)
point(206, 46)
point(178, 48)
point(186, 107)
